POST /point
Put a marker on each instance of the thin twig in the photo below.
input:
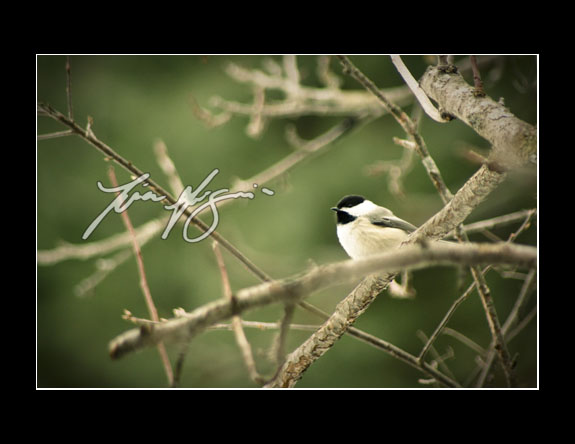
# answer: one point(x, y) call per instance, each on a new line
point(403, 356)
point(69, 88)
point(446, 319)
point(324, 74)
point(397, 169)
point(144, 283)
point(397, 113)
point(239, 333)
point(498, 221)
point(511, 319)
point(128, 316)
point(278, 348)
point(104, 267)
point(292, 74)
point(207, 118)
point(102, 247)
point(522, 324)
point(528, 286)
point(308, 149)
point(494, 326)
point(168, 167)
point(464, 340)
point(524, 226)
point(178, 370)
point(477, 82)
point(438, 360)
point(419, 94)
point(54, 135)
point(257, 122)
point(445, 63)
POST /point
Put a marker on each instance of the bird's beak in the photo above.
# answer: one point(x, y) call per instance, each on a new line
point(334, 208)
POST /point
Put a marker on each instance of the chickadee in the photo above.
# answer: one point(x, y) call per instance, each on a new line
point(364, 228)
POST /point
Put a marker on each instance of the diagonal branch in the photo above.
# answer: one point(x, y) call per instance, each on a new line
point(469, 196)
point(514, 142)
point(88, 136)
point(144, 283)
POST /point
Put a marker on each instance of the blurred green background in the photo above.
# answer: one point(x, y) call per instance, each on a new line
point(135, 100)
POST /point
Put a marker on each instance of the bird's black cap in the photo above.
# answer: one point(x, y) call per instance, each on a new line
point(350, 201)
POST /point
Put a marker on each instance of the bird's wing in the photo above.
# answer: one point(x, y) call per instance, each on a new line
point(391, 221)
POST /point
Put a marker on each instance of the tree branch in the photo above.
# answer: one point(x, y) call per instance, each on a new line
point(469, 196)
point(295, 288)
point(514, 141)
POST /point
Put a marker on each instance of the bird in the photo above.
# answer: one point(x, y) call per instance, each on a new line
point(365, 229)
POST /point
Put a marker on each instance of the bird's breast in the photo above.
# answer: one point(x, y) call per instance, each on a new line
point(361, 238)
